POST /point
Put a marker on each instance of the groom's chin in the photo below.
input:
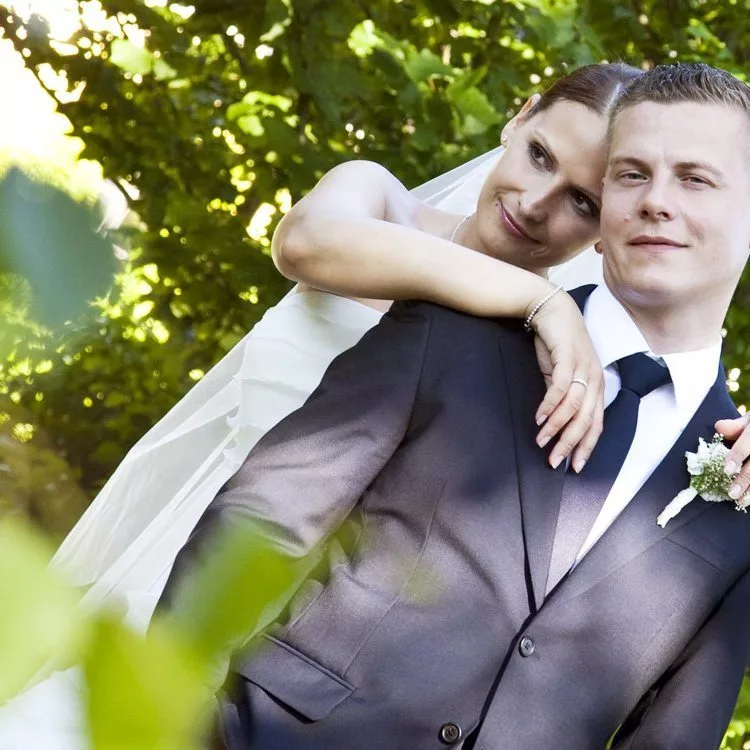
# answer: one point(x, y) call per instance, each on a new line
point(642, 284)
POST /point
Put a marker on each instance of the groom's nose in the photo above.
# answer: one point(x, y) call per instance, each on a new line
point(655, 203)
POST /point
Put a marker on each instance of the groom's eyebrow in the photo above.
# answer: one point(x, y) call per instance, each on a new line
point(688, 166)
point(681, 166)
point(627, 161)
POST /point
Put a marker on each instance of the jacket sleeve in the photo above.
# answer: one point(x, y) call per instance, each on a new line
point(306, 474)
point(690, 707)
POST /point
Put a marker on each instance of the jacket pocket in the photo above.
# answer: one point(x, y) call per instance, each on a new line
point(294, 679)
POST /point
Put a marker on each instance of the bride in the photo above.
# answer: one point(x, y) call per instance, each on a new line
point(364, 239)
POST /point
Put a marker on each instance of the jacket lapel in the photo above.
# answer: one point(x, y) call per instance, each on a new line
point(635, 529)
point(539, 486)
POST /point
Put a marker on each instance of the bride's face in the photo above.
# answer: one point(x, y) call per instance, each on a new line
point(540, 205)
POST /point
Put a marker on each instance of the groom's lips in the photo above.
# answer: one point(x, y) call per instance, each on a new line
point(655, 242)
point(513, 226)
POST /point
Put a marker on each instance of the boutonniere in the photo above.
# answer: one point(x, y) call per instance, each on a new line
point(707, 479)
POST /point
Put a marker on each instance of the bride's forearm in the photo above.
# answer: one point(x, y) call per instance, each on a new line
point(365, 257)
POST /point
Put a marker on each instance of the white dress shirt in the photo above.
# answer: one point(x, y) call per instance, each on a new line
point(662, 415)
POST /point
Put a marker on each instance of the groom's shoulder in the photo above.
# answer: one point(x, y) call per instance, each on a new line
point(449, 321)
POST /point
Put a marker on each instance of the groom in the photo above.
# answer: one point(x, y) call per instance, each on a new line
point(489, 602)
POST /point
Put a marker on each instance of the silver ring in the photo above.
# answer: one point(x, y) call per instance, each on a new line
point(581, 381)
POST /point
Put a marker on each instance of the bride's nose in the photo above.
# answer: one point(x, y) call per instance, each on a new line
point(535, 201)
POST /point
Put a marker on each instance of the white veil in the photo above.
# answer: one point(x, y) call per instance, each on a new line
point(124, 543)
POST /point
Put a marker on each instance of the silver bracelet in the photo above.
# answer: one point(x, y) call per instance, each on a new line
point(538, 307)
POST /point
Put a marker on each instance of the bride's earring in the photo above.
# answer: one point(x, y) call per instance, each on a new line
point(598, 247)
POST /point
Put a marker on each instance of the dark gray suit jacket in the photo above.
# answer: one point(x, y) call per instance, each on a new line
point(433, 616)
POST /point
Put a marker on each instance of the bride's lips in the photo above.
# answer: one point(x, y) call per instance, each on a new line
point(513, 226)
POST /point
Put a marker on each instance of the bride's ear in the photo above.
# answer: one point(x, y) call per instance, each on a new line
point(519, 119)
point(599, 248)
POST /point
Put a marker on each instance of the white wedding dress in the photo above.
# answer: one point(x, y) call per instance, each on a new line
point(125, 543)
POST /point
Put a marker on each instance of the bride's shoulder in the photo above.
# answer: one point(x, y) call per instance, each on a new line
point(366, 183)
point(363, 176)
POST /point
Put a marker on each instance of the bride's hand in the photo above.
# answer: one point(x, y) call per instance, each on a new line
point(737, 464)
point(570, 410)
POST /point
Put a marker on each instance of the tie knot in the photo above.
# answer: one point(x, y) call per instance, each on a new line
point(641, 374)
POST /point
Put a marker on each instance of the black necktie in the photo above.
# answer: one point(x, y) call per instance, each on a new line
point(583, 494)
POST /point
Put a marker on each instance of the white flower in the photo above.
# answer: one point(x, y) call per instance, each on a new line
point(708, 479)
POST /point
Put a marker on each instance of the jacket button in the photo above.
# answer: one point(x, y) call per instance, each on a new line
point(526, 646)
point(450, 733)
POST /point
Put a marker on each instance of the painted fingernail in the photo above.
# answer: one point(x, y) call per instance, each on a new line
point(579, 465)
point(541, 442)
point(540, 420)
point(555, 461)
point(735, 491)
point(731, 468)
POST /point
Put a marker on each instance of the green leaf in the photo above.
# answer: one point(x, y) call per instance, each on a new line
point(423, 65)
point(39, 620)
point(52, 241)
point(162, 70)
point(477, 112)
point(208, 611)
point(147, 693)
point(132, 59)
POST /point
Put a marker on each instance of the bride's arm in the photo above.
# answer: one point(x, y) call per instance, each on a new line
point(358, 233)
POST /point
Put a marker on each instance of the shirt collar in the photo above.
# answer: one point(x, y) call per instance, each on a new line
point(615, 335)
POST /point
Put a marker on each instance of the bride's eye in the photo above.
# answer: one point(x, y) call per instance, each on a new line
point(538, 155)
point(584, 205)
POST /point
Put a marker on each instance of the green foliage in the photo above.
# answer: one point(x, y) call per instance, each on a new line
point(40, 619)
point(210, 612)
point(46, 236)
point(149, 692)
point(211, 123)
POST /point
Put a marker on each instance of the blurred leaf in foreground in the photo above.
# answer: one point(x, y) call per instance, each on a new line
point(40, 619)
point(147, 693)
point(51, 240)
point(239, 589)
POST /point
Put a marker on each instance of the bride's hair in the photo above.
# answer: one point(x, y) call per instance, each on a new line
point(598, 87)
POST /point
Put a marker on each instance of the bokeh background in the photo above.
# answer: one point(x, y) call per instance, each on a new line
point(148, 149)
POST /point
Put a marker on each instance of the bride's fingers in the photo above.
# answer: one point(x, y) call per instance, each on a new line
point(736, 464)
point(570, 412)
point(737, 430)
point(586, 446)
point(580, 422)
point(557, 390)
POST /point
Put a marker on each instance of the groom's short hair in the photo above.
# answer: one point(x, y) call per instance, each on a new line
point(684, 82)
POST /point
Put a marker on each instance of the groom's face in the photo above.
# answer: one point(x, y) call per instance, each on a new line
point(676, 203)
